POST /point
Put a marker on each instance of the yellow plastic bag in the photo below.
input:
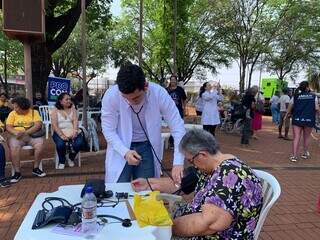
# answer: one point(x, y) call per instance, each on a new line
point(150, 211)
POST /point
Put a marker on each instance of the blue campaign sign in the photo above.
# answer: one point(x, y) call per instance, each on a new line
point(56, 86)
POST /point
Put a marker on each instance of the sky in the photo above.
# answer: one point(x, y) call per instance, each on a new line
point(227, 76)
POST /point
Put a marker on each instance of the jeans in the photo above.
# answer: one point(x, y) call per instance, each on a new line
point(2, 162)
point(61, 147)
point(146, 167)
point(246, 130)
point(275, 114)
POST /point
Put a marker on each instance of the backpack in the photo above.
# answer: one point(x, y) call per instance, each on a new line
point(260, 106)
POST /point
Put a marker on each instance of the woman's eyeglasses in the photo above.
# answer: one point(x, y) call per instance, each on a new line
point(193, 158)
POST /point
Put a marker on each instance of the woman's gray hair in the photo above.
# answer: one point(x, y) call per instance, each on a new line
point(197, 140)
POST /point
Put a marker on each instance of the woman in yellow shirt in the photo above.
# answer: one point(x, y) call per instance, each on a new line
point(21, 124)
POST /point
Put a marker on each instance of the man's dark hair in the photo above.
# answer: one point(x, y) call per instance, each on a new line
point(285, 90)
point(130, 77)
point(174, 76)
point(22, 103)
point(60, 97)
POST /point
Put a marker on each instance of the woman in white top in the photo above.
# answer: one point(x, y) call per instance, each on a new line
point(64, 120)
point(210, 117)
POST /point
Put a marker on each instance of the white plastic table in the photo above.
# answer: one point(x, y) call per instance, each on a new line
point(112, 231)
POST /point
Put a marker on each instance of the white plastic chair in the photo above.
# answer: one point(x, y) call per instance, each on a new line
point(45, 115)
point(271, 191)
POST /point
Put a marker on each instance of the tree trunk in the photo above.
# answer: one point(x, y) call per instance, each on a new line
point(41, 60)
point(242, 75)
point(5, 69)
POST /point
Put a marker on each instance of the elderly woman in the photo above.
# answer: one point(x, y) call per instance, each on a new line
point(22, 124)
point(64, 120)
point(228, 195)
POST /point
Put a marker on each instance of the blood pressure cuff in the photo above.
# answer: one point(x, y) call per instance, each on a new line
point(99, 189)
point(189, 181)
point(59, 214)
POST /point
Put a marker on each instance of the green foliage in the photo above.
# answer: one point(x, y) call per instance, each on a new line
point(68, 58)
point(298, 43)
point(197, 48)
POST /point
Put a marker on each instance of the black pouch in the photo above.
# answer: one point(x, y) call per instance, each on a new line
point(99, 189)
point(59, 214)
point(189, 181)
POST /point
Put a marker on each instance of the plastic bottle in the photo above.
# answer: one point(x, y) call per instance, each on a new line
point(89, 212)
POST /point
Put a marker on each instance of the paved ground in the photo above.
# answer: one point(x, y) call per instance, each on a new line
point(293, 217)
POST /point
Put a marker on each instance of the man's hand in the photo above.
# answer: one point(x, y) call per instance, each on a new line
point(177, 173)
point(139, 184)
point(132, 157)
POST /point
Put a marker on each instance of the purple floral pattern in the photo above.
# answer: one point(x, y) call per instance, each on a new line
point(233, 187)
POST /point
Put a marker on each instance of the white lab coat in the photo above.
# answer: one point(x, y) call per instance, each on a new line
point(210, 113)
point(117, 127)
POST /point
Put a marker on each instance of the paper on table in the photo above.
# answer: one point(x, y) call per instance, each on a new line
point(72, 230)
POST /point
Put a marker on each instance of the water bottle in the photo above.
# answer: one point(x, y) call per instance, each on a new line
point(89, 212)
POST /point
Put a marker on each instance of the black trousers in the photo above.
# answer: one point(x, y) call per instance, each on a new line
point(210, 128)
point(246, 131)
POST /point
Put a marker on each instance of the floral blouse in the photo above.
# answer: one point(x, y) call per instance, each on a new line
point(233, 187)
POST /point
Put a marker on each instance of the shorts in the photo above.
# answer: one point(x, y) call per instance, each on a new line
point(26, 140)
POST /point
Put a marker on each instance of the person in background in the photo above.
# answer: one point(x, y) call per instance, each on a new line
point(177, 94)
point(210, 117)
point(66, 135)
point(248, 103)
point(5, 107)
point(302, 108)
point(4, 182)
point(21, 123)
point(257, 113)
point(227, 199)
point(39, 100)
point(284, 104)
point(274, 106)
point(179, 97)
point(131, 115)
point(199, 102)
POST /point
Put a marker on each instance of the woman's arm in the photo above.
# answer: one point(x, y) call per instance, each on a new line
point(36, 127)
point(75, 121)
point(11, 129)
point(212, 219)
point(54, 123)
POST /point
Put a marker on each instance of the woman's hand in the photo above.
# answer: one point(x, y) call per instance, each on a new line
point(74, 134)
point(139, 184)
point(20, 134)
point(64, 137)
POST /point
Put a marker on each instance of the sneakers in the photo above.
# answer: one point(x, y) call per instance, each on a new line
point(61, 166)
point(293, 159)
point(306, 155)
point(38, 172)
point(16, 177)
point(70, 163)
point(4, 183)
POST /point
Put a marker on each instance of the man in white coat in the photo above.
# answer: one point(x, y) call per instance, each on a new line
point(131, 115)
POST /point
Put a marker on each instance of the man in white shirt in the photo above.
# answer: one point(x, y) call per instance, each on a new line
point(284, 104)
point(131, 117)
